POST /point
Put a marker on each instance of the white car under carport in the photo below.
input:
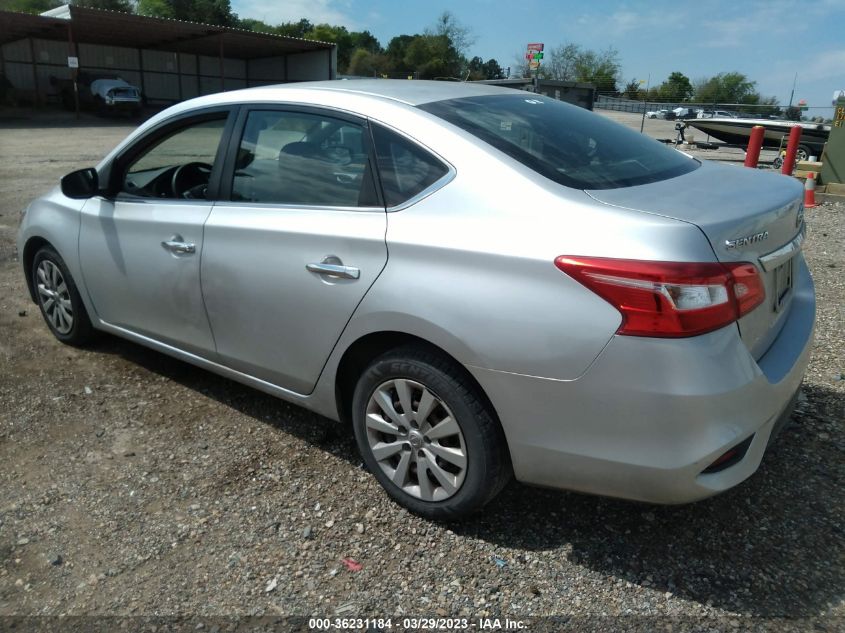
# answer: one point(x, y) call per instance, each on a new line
point(116, 94)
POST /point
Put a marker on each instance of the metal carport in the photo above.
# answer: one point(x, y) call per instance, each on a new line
point(170, 60)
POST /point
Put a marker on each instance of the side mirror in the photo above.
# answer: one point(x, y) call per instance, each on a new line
point(81, 184)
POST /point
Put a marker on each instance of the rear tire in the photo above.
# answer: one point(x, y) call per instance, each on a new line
point(59, 300)
point(446, 457)
point(803, 153)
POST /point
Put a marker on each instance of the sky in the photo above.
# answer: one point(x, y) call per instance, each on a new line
point(769, 41)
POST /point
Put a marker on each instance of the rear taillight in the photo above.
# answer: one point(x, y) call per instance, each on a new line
point(669, 299)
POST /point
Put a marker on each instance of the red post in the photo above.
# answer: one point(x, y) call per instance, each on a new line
point(755, 142)
point(791, 149)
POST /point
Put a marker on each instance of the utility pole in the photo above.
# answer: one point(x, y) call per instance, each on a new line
point(792, 94)
point(645, 103)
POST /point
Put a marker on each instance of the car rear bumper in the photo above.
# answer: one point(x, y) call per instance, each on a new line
point(123, 103)
point(650, 415)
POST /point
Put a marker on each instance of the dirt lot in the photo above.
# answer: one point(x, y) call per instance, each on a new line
point(133, 484)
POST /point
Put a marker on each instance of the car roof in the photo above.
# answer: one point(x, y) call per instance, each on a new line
point(411, 92)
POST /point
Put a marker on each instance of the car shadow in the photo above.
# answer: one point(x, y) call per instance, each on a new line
point(287, 417)
point(772, 547)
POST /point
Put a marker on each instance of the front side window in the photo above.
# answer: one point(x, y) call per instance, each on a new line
point(567, 144)
point(179, 165)
point(303, 159)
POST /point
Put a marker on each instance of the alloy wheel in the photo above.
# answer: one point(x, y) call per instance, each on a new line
point(416, 440)
point(54, 296)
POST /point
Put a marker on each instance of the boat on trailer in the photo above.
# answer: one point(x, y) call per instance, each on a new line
point(738, 131)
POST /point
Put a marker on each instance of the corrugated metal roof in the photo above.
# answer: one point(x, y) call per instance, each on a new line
point(113, 28)
point(18, 26)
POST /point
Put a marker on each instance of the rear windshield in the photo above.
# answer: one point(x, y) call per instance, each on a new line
point(567, 144)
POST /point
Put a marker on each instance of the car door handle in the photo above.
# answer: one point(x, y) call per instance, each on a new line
point(179, 247)
point(334, 270)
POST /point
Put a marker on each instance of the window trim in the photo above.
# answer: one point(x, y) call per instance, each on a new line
point(438, 184)
point(239, 128)
point(115, 172)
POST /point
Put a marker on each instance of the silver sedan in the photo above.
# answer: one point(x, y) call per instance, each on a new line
point(485, 283)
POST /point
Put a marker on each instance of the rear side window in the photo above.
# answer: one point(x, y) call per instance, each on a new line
point(303, 159)
point(406, 169)
point(569, 145)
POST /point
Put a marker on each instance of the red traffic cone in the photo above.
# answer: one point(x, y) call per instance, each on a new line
point(810, 191)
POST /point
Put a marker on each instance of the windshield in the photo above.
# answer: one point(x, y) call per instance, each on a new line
point(565, 143)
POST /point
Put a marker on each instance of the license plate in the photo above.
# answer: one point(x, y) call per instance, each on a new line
point(783, 284)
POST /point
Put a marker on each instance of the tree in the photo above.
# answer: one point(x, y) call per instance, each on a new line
point(294, 29)
point(459, 36)
point(217, 12)
point(561, 62)
point(125, 6)
point(29, 6)
point(676, 88)
point(39, 6)
point(479, 69)
point(155, 8)
point(570, 62)
point(437, 53)
point(337, 35)
point(599, 68)
point(432, 57)
point(730, 87)
point(632, 90)
point(367, 64)
point(493, 70)
point(365, 40)
point(397, 49)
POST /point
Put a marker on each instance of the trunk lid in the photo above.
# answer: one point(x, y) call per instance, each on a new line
point(746, 215)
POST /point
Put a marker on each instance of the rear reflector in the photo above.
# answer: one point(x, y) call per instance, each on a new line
point(729, 457)
point(669, 299)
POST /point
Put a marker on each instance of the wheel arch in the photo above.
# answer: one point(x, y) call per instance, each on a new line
point(368, 347)
point(32, 246)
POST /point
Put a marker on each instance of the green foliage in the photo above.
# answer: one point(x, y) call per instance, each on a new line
point(735, 88)
point(433, 56)
point(347, 44)
point(365, 63)
point(676, 88)
point(217, 12)
point(125, 6)
point(599, 68)
point(365, 40)
point(570, 62)
point(479, 69)
point(155, 8)
point(397, 48)
point(436, 53)
point(39, 6)
point(337, 35)
point(460, 37)
point(29, 6)
point(559, 63)
point(632, 90)
point(256, 26)
point(730, 87)
point(294, 29)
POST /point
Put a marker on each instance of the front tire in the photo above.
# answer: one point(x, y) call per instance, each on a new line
point(58, 298)
point(427, 434)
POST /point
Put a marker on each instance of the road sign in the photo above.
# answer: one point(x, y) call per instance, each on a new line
point(73, 62)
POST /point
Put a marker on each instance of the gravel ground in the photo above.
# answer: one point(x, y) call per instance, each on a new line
point(134, 484)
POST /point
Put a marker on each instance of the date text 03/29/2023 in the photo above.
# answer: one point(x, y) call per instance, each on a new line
point(415, 624)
